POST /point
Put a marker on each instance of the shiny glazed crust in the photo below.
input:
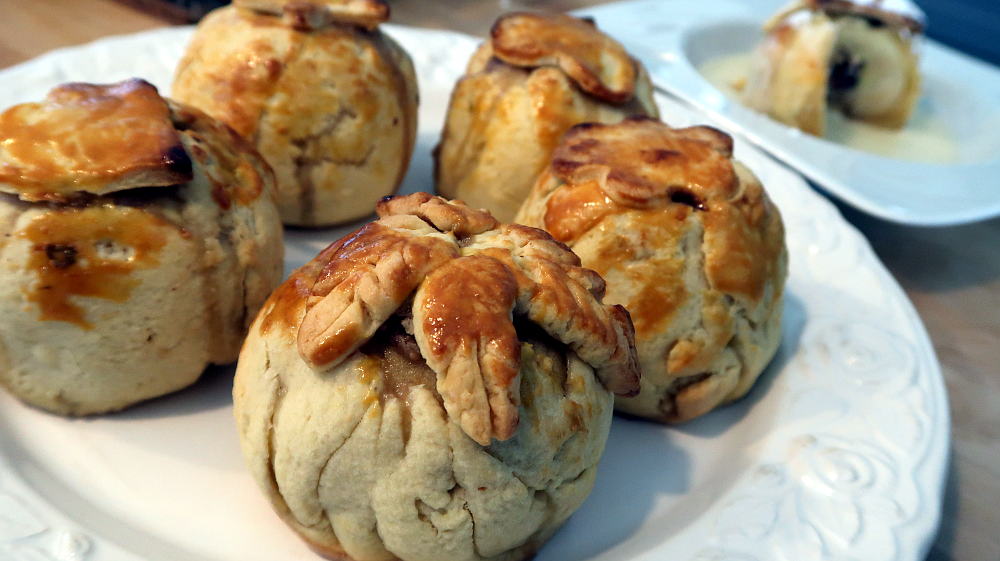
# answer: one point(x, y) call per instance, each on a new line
point(112, 299)
point(333, 110)
point(493, 421)
point(90, 138)
point(597, 63)
point(448, 258)
point(687, 241)
point(537, 77)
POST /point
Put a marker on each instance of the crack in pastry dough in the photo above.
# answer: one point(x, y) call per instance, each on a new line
point(325, 96)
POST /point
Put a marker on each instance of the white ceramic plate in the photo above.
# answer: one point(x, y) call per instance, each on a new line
point(839, 452)
point(675, 37)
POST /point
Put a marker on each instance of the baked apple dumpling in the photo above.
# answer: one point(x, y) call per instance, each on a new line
point(433, 386)
point(857, 56)
point(687, 240)
point(138, 238)
point(328, 99)
point(537, 75)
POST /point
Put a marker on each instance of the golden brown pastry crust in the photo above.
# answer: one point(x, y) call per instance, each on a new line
point(597, 63)
point(332, 109)
point(315, 14)
point(90, 138)
point(468, 277)
point(650, 207)
point(98, 280)
point(538, 76)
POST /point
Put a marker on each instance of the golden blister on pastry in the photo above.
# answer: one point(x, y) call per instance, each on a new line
point(327, 98)
point(857, 56)
point(687, 241)
point(537, 75)
point(434, 385)
point(138, 237)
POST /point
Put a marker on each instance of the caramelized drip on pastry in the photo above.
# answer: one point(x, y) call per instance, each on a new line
point(91, 138)
point(88, 252)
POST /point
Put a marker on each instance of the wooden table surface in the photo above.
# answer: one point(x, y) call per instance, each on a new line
point(952, 275)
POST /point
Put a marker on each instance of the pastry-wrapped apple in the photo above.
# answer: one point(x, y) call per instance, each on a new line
point(537, 75)
point(433, 386)
point(327, 98)
point(138, 238)
point(687, 240)
point(857, 56)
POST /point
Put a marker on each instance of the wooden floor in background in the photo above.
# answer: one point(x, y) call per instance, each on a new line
point(951, 274)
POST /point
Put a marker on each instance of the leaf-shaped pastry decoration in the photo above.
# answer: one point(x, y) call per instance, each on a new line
point(468, 276)
point(462, 322)
point(90, 138)
point(446, 216)
point(597, 63)
point(559, 295)
point(365, 281)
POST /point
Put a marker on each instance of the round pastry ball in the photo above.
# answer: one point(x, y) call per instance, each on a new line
point(328, 99)
point(857, 56)
point(537, 75)
point(138, 239)
point(687, 240)
point(433, 386)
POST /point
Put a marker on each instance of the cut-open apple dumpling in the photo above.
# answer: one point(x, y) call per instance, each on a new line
point(433, 386)
point(856, 56)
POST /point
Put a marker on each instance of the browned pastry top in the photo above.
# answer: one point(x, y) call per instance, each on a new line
point(314, 14)
point(90, 138)
point(643, 164)
point(894, 13)
point(597, 63)
point(460, 279)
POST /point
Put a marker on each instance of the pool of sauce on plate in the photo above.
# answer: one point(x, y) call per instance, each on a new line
point(925, 138)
